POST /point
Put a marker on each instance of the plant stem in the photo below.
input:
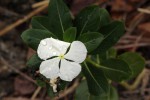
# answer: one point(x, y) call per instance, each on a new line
point(36, 93)
point(124, 84)
point(92, 62)
point(97, 58)
point(136, 82)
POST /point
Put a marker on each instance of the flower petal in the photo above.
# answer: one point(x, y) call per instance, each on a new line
point(77, 52)
point(69, 70)
point(50, 68)
point(50, 47)
point(60, 45)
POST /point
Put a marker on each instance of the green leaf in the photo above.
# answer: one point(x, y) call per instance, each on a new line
point(70, 34)
point(32, 37)
point(34, 62)
point(91, 19)
point(82, 92)
point(91, 40)
point(97, 82)
point(50, 91)
point(102, 56)
point(104, 17)
point(116, 69)
point(111, 95)
point(112, 33)
point(112, 53)
point(59, 17)
point(40, 22)
point(135, 62)
point(62, 85)
point(40, 83)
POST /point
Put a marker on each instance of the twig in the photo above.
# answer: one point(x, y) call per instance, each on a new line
point(38, 4)
point(148, 62)
point(36, 93)
point(136, 43)
point(145, 82)
point(131, 45)
point(98, 2)
point(142, 10)
point(124, 41)
point(136, 82)
point(20, 21)
point(133, 37)
point(6, 11)
point(17, 71)
point(127, 40)
point(137, 19)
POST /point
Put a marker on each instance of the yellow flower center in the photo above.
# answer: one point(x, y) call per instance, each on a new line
point(61, 56)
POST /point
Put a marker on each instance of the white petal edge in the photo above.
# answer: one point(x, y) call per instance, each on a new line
point(77, 52)
point(60, 45)
point(50, 47)
point(50, 68)
point(69, 70)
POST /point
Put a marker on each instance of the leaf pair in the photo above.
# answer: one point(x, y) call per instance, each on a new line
point(122, 68)
point(112, 33)
point(58, 20)
point(91, 19)
point(94, 19)
point(83, 94)
point(88, 23)
point(96, 75)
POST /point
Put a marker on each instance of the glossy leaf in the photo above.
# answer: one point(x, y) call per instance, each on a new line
point(91, 19)
point(32, 37)
point(59, 17)
point(40, 83)
point(70, 34)
point(50, 91)
point(40, 22)
point(34, 62)
point(62, 85)
point(135, 61)
point(111, 53)
point(111, 95)
point(82, 92)
point(91, 40)
point(104, 17)
point(97, 82)
point(116, 69)
point(112, 33)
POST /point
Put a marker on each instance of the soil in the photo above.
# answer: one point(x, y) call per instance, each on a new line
point(15, 86)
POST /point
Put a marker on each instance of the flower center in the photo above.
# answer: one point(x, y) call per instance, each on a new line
point(61, 56)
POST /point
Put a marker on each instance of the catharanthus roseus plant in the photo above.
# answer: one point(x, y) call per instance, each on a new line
point(79, 48)
point(58, 62)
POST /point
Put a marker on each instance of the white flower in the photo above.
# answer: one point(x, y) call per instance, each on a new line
point(57, 61)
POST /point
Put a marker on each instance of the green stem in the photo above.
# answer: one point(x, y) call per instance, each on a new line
point(92, 62)
point(97, 58)
point(136, 82)
point(124, 84)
